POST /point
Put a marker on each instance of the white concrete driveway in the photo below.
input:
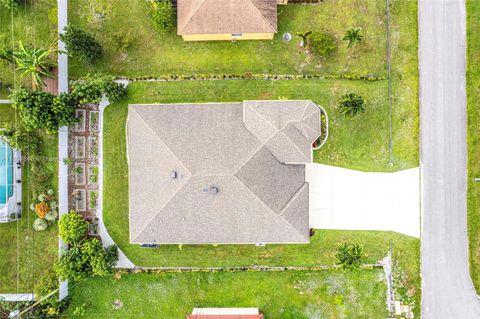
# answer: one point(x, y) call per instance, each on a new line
point(346, 199)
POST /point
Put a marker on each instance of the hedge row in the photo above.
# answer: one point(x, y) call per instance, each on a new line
point(160, 270)
point(253, 76)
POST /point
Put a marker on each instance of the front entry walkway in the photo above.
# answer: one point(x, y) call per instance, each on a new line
point(346, 199)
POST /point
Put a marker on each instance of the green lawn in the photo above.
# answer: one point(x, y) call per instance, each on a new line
point(31, 25)
point(26, 254)
point(295, 295)
point(152, 53)
point(473, 98)
point(365, 151)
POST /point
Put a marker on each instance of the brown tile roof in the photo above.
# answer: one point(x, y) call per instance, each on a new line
point(226, 16)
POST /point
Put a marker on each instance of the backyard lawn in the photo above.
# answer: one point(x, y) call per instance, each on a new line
point(294, 295)
point(33, 24)
point(473, 98)
point(26, 254)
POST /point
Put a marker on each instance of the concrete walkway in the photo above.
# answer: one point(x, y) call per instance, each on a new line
point(123, 261)
point(17, 297)
point(346, 199)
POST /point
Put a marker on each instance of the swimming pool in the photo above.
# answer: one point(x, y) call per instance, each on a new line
point(6, 172)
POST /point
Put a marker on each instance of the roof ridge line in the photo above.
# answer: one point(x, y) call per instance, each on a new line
point(160, 139)
point(294, 144)
point(192, 15)
point(168, 202)
point(262, 144)
point(263, 17)
point(282, 211)
point(268, 207)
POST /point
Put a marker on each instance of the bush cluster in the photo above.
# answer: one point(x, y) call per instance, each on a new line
point(91, 89)
point(87, 258)
point(72, 228)
point(350, 255)
point(42, 110)
point(81, 44)
point(163, 15)
point(45, 206)
point(351, 104)
point(322, 44)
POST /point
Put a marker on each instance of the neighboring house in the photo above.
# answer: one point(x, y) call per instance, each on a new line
point(206, 20)
point(225, 313)
point(220, 173)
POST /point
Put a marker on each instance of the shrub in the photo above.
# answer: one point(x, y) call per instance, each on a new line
point(81, 44)
point(47, 283)
point(352, 35)
point(72, 228)
point(164, 15)
point(351, 104)
point(20, 138)
point(42, 209)
point(349, 255)
point(41, 110)
point(40, 224)
point(91, 89)
point(322, 44)
point(8, 4)
point(51, 216)
point(88, 258)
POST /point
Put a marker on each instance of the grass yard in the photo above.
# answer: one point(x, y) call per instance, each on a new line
point(34, 25)
point(365, 151)
point(26, 254)
point(152, 53)
point(295, 295)
point(473, 98)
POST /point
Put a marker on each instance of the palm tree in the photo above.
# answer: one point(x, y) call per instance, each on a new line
point(34, 63)
point(353, 35)
point(304, 37)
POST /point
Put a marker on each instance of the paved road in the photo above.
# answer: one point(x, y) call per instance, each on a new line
point(447, 288)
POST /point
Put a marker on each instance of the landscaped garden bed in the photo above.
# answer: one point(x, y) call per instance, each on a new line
point(323, 294)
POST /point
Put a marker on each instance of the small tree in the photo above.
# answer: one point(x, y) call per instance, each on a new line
point(352, 35)
point(35, 63)
point(41, 110)
point(322, 44)
point(20, 138)
point(304, 37)
point(85, 259)
point(349, 255)
point(72, 228)
point(91, 88)
point(164, 15)
point(351, 104)
point(81, 44)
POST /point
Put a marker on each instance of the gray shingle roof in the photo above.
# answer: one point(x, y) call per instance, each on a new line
point(226, 16)
point(234, 148)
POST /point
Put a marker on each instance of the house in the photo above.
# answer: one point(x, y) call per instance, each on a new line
point(220, 173)
point(207, 20)
point(225, 313)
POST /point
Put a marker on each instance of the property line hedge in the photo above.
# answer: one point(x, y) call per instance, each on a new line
point(252, 76)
